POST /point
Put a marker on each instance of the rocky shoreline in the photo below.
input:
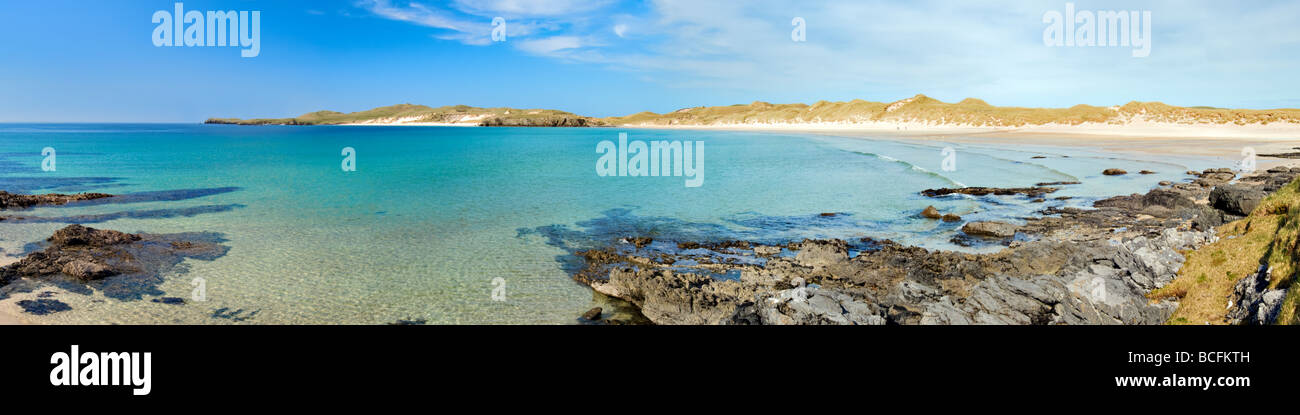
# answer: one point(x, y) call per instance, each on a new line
point(1068, 266)
point(122, 265)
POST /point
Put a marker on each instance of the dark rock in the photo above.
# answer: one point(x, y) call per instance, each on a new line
point(549, 121)
point(948, 217)
point(1161, 203)
point(170, 300)
point(983, 191)
point(1291, 155)
point(43, 306)
point(80, 235)
point(1214, 177)
point(1236, 199)
point(1146, 172)
point(931, 213)
point(416, 322)
point(990, 228)
point(11, 200)
point(1253, 302)
point(1114, 172)
point(123, 266)
point(1055, 184)
point(640, 242)
point(86, 270)
point(593, 314)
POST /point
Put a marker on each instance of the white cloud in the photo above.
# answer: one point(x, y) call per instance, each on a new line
point(550, 45)
point(416, 13)
point(529, 8)
point(880, 49)
point(471, 22)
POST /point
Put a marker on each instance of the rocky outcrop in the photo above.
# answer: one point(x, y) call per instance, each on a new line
point(77, 251)
point(12, 200)
point(990, 229)
point(1076, 266)
point(535, 122)
point(1253, 302)
point(136, 262)
point(1114, 172)
point(1236, 199)
point(984, 191)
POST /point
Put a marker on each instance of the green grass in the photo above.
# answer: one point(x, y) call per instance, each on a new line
point(1268, 235)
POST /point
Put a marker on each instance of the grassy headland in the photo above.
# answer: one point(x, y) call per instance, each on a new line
point(417, 114)
point(1268, 236)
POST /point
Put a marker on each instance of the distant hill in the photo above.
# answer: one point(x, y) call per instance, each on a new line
point(918, 109)
point(420, 114)
point(967, 112)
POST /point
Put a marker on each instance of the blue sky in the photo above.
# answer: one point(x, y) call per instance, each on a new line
point(93, 61)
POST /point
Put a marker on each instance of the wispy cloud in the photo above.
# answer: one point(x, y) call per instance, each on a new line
point(946, 48)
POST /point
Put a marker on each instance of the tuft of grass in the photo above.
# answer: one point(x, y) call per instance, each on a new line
point(1268, 236)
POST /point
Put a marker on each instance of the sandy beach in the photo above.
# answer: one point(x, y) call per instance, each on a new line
point(8, 320)
point(1151, 139)
point(6, 316)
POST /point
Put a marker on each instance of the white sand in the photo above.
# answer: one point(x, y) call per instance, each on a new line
point(1136, 137)
point(1130, 129)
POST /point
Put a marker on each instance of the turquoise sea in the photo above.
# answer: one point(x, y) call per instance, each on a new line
point(433, 216)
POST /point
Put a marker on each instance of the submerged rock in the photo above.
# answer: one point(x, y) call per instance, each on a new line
point(124, 266)
point(984, 191)
point(43, 306)
point(12, 200)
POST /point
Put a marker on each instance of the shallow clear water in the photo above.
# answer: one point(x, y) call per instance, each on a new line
point(433, 215)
